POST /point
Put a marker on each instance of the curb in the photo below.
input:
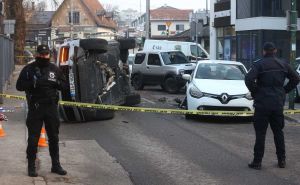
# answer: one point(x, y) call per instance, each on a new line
point(291, 119)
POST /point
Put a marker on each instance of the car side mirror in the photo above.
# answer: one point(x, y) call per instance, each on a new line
point(186, 77)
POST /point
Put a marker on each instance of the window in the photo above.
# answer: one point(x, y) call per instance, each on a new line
point(153, 59)
point(179, 27)
point(76, 17)
point(161, 27)
point(139, 58)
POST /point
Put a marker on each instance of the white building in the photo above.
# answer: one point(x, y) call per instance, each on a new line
point(238, 28)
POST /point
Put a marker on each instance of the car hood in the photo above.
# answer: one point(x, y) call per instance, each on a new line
point(231, 87)
point(187, 66)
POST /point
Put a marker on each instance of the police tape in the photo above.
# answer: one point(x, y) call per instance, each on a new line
point(153, 110)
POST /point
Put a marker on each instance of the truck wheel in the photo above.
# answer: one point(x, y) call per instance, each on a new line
point(126, 43)
point(171, 86)
point(137, 82)
point(132, 99)
point(99, 45)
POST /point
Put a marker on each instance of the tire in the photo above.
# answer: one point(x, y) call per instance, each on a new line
point(132, 99)
point(98, 45)
point(126, 44)
point(137, 82)
point(171, 86)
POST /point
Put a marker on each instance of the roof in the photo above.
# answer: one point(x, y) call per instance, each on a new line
point(170, 13)
point(40, 17)
point(94, 6)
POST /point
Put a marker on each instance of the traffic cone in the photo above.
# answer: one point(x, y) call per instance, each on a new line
point(42, 140)
point(2, 133)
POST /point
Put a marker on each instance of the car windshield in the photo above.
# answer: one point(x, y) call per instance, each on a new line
point(174, 57)
point(197, 51)
point(220, 71)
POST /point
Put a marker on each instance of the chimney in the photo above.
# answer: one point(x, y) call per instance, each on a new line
point(33, 6)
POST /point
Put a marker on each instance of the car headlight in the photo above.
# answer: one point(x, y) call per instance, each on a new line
point(248, 96)
point(181, 72)
point(195, 92)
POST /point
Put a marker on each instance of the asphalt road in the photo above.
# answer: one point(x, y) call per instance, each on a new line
point(159, 149)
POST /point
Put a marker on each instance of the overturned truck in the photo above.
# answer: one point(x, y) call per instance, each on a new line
point(96, 72)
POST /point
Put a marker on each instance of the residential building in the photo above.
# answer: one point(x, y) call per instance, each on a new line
point(165, 21)
point(38, 27)
point(82, 19)
point(238, 29)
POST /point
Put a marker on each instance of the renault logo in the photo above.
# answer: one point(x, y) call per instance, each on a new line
point(224, 98)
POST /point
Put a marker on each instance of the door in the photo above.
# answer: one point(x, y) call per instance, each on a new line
point(153, 69)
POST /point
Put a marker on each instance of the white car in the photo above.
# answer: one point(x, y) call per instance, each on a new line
point(218, 85)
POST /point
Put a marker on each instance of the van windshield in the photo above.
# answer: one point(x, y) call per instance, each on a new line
point(174, 57)
point(197, 51)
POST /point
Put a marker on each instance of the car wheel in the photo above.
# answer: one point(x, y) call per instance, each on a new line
point(137, 82)
point(99, 45)
point(171, 86)
point(132, 99)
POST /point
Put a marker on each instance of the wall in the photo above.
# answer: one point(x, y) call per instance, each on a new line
point(155, 32)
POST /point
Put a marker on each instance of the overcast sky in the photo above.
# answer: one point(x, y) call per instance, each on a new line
point(136, 4)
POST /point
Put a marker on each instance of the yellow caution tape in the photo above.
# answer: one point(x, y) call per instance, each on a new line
point(152, 110)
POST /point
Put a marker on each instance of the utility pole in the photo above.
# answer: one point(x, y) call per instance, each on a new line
point(72, 19)
point(147, 19)
point(292, 26)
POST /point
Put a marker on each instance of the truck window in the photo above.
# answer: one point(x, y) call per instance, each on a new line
point(153, 59)
point(139, 58)
point(197, 51)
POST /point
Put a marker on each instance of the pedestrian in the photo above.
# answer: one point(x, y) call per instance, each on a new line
point(266, 82)
point(41, 81)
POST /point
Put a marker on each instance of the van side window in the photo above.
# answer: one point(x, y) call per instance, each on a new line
point(139, 58)
point(153, 59)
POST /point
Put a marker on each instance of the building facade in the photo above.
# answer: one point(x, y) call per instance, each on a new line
point(165, 21)
point(238, 29)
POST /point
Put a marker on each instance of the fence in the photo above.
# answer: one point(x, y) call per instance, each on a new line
point(6, 62)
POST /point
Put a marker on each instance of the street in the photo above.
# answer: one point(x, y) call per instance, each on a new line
point(167, 149)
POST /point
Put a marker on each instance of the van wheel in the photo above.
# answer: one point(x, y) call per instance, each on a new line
point(171, 85)
point(137, 82)
point(99, 45)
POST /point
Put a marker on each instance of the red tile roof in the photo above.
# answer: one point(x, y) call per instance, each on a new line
point(170, 13)
point(94, 6)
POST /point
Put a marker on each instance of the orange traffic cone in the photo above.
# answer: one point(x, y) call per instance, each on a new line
point(42, 140)
point(2, 133)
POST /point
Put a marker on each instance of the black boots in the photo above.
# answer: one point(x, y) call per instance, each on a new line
point(56, 168)
point(32, 169)
point(281, 163)
point(255, 165)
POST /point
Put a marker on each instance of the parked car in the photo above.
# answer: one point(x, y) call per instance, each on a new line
point(160, 68)
point(94, 75)
point(218, 85)
point(28, 56)
point(191, 50)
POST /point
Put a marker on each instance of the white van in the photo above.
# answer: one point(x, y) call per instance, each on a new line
point(190, 49)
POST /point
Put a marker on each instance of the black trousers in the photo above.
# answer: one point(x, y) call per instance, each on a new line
point(37, 115)
point(262, 118)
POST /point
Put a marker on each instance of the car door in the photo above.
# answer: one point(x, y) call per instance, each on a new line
point(153, 69)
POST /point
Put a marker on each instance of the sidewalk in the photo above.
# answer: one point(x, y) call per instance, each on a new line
point(86, 162)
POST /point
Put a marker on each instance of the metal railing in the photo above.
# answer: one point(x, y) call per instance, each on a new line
point(6, 62)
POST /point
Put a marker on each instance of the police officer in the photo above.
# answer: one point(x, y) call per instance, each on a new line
point(265, 81)
point(41, 81)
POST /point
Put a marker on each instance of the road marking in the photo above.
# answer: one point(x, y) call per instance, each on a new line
point(149, 101)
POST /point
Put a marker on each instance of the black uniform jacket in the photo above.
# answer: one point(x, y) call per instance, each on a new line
point(41, 82)
point(266, 82)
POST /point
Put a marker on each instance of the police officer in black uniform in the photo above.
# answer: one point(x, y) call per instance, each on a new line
point(41, 81)
point(265, 81)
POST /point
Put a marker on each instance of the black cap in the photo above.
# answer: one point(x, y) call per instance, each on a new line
point(43, 49)
point(269, 46)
